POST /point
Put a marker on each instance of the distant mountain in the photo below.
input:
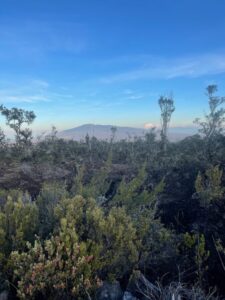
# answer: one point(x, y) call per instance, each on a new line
point(103, 132)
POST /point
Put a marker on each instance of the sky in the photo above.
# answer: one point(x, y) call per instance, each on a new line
point(108, 61)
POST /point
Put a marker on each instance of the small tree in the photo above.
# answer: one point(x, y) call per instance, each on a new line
point(213, 124)
point(113, 133)
point(167, 108)
point(214, 120)
point(15, 119)
point(2, 138)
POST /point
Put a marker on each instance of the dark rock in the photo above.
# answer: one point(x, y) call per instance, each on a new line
point(109, 291)
point(4, 295)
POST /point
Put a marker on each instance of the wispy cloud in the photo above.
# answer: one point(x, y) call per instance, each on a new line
point(135, 97)
point(31, 91)
point(7, 98)
point(36, 38)
point(131, 94)
point(128, 92)
point(195, 66)
point(40, 83)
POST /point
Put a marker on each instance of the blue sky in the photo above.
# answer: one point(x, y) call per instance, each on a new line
point(108, 61)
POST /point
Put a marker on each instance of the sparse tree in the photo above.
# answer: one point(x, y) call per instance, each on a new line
point(52, 136)
point(2, 138)
point(15, 119)
point(213, 124)
point(214, 120)
point(167, 108)
point(113, 133)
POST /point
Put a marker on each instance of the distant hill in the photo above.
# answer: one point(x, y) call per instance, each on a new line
point(103, 132)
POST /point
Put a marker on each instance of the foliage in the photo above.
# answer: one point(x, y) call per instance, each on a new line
point(98, 184)
point(134, 195)
point(2, 138)
point(197, 245)
point(18, 224)
point(46, 202)
point(60, 268)
point(213, 124)
point(167, 108)
point(15, 119)
point(214, 120)
point(108, 208)
point(209, 187)
point(112, 238)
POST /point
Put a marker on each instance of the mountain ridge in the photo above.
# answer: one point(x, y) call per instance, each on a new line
point(104, 132)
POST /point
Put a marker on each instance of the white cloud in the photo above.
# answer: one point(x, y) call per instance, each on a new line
point(149, 125)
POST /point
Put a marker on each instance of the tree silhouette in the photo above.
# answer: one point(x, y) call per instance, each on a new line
point(167, 108)
point(15, 119)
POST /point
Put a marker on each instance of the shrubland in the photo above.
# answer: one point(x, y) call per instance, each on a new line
point(77, 215)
